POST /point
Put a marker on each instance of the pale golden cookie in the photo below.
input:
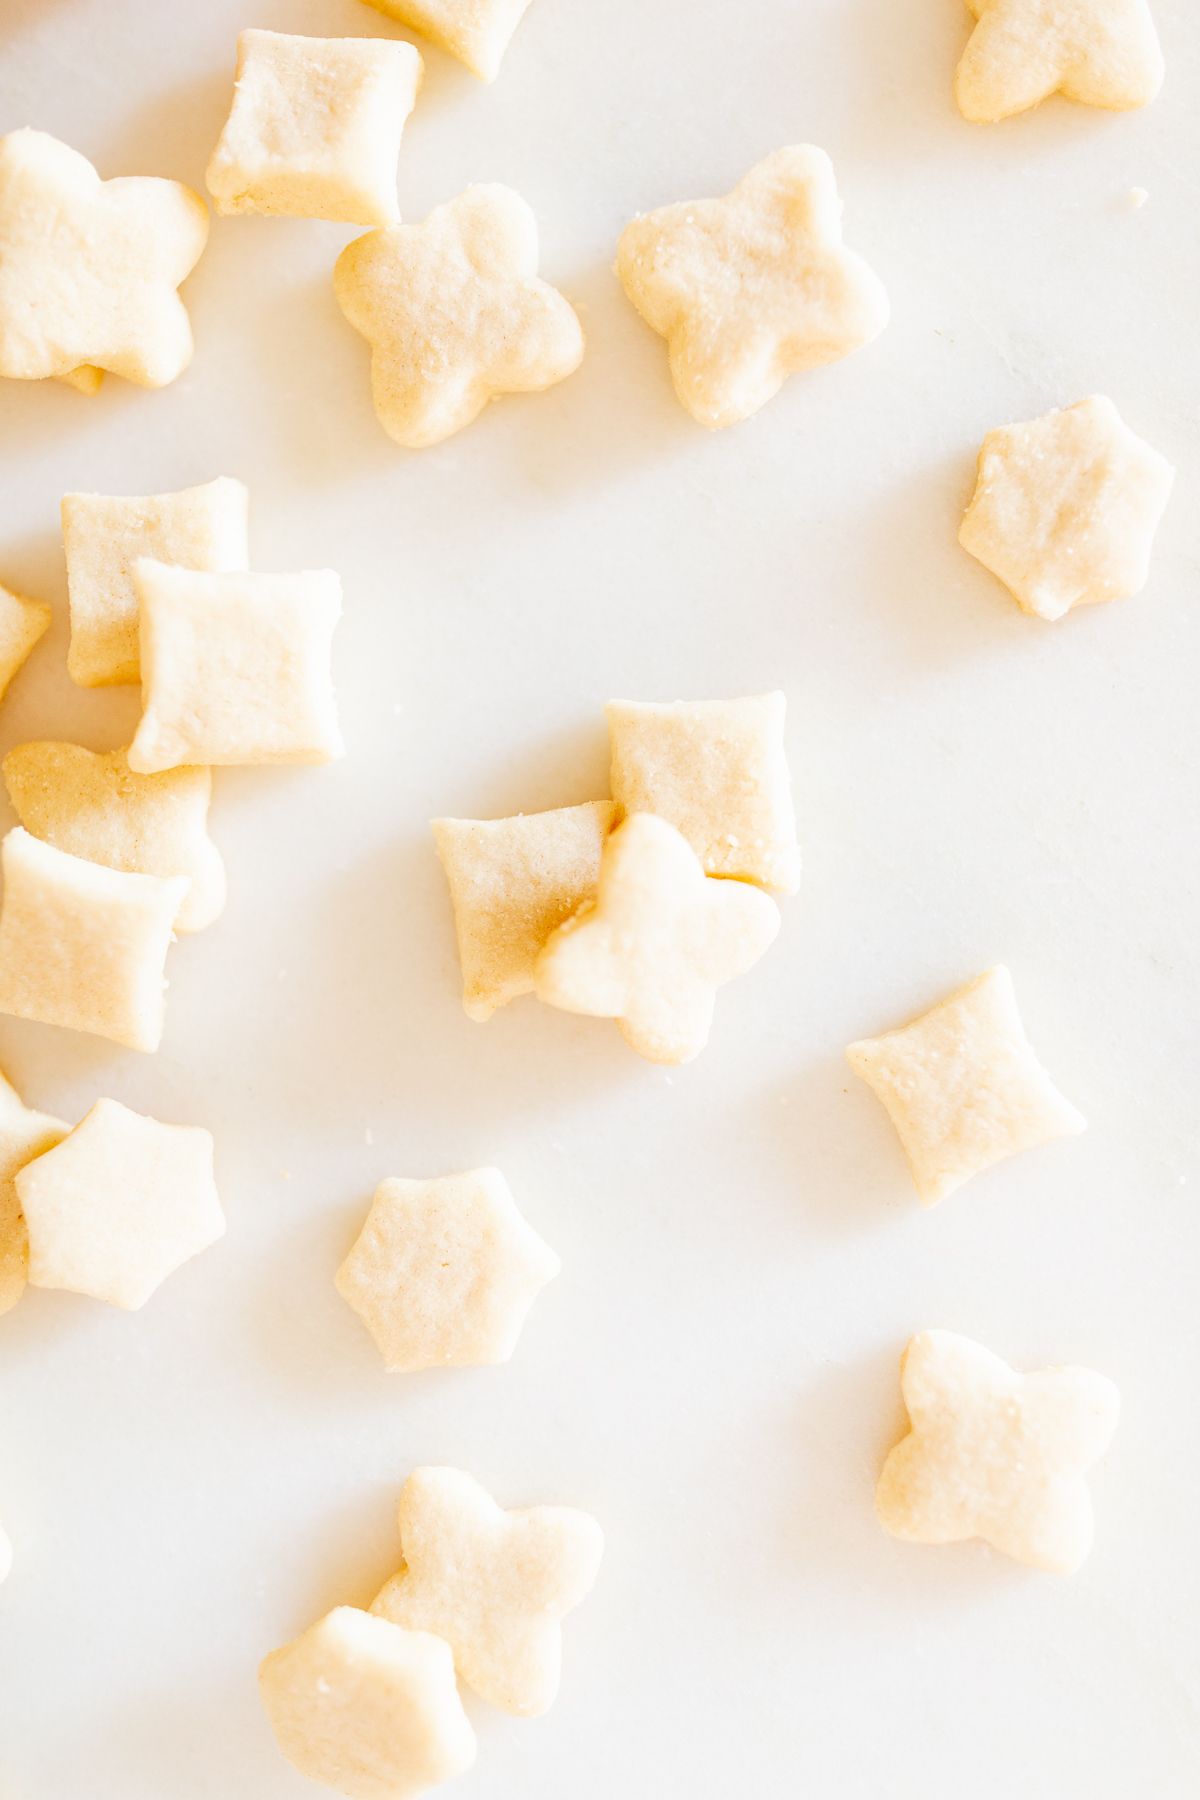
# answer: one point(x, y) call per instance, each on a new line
point(119, 1205)
point(996, 1455)
point(24, 1134)
point(23, 623)
point(91, 268)
point(1065, 508)
point(716, 770)
point(476, 31)
point(456, 314)
point(963, 1086)
point(512, 882)
point(1100, 52)
point(104, 534)
point(753, 287)
point(656, 943)
point(444, 1272)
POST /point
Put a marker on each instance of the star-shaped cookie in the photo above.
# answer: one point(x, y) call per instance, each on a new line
point(656, 943)
point(24, 1134)
point(493, 1584)
point(89, 269)
point(1099, 52)
point(754, 287)
point(996, 1455)
point(455, 313)
point(444, 1272)
point(23, 624)
point(1065, 508)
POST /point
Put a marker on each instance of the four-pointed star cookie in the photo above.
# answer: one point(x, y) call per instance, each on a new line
point(1099, 52)
point(493, 1584)
point(996, 1455)
point(89, 269)
point(455, 313)
point(754, 287)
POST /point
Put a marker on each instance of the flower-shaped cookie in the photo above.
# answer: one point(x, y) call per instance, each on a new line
point(476, 31)
point(23, 623)
point(963, 1086)
point(455, 314)
point(996, 1455)
point(366, 1708)
point(89, 269)
point(444, 1272)
point(1100, 52)
point(24, 1134)
point(119, 1205)
point(1066, 507)
point(754, 287)
point(656, 943)
point(493, 1584)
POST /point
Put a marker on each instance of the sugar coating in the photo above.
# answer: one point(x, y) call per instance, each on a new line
point(23, 623)
point(84, 946)
point(753, 287)
point(455, 313)
point(716, 770)
point(91, 268)
point(963, 1086)
point(315, 128)
point(94, 806)
point(512, 882)
point(1066, 507)
point(367, 1708)
point(444, 1272)
point(493, 1584)
point(1099, 52)
point(478, 32)
point(119, 1205)
point(658, 940)
point(996, 1455)
point(24, 1134)
point(104, 535)
point(235, 668)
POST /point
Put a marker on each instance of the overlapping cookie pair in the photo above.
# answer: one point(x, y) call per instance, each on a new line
point(640, 907)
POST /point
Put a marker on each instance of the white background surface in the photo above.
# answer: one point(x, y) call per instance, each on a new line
point(714, 1374)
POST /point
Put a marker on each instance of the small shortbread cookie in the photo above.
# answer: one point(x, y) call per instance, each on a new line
point(752, 288)
point(996, 1455)
point(455, 313)
point(24, 1134)
point(476, 31)
point(104, 534)
point(90, 268)
point(367, 1708)
point(1099, 52)
point(963, 1086)
point(716, 770)
point(121, 1203)
point(512, 882)
point(493, 1584)
point(23, 623)
point(84, 946)
point(315, 127)
point(235, 668)
point(656, 943)
point(94, 806)
point(444, 1272)
point(1066, 507)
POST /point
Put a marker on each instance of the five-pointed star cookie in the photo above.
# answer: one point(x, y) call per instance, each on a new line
point(455, 313)
point(1066, 507)
point(476, 31)
point(493, 1584)
point(119, 1204)
point(367, 1708)
point(754, 287)
point(1100, 52)
point(24, 1134)
point(444, 1272)
point(656, 943)
point(996, 1455)
point(963, 1086)
point(89, 269)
